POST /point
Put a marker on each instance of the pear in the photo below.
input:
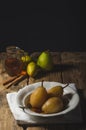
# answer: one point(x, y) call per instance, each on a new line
point(38, 97)
point(56, 91)
point(26, 58)
point(32, 69)
point(45, 61)
point(52, 105)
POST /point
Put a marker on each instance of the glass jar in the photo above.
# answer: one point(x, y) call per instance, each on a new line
point(13, 62)
point(2, 60)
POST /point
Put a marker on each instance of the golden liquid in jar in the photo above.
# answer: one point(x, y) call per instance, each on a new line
point(13, 66)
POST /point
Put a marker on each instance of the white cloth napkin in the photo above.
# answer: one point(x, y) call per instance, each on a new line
point(19, 115)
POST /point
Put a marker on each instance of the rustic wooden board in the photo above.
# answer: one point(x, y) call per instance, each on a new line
point(77, 68)
point(69, 67)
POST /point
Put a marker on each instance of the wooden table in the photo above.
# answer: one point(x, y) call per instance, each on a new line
point(70, 67)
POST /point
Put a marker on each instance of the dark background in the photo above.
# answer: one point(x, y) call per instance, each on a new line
point(57, 28)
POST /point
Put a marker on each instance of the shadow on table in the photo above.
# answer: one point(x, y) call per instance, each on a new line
point(56, 68)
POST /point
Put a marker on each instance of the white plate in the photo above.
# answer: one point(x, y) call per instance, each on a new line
point(23, 93)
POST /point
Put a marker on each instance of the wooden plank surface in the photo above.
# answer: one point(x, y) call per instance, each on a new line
point(77, 68)
point(69, 67)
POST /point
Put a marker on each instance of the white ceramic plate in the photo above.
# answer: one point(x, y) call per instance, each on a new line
point(27, 90)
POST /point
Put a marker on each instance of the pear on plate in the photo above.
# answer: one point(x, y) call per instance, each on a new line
point(56, 91)
point(45, 60)
point(52, 105)
point(38, 97)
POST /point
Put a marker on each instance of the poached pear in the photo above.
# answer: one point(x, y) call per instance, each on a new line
point(52, 105)
point(56, 91)
point(45, 60)
point(38, 97)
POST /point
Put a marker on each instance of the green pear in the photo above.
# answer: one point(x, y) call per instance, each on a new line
point(32, 69)
point(26, 59)
point(45, 60)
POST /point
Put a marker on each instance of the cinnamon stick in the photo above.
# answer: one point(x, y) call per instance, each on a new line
point(19, 80)
point(15, 81)
point(11, 79)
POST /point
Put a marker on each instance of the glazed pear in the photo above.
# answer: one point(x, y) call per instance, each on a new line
point(52, 105)
point(45, 60)
point(38, 97)
point(56, 91)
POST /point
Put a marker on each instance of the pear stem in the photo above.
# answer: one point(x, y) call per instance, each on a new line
point(42, 82)
point(65, 85)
